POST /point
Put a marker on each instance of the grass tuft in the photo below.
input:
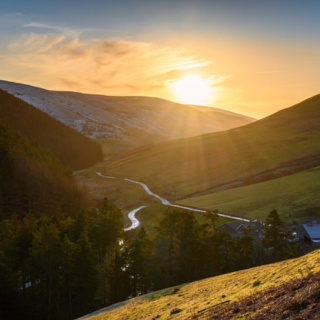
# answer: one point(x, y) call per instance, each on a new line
point(256, 283)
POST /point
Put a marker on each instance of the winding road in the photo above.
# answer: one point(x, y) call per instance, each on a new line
point(135, 222)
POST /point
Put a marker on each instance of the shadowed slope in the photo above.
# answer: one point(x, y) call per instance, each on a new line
point(69, 146)
point(33, 181)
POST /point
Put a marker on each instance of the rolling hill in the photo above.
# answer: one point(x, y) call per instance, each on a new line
point(253, 292)
point(281, 144)
point(132, 120)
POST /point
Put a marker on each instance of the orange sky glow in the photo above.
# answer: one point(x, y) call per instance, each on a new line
point(239, 61)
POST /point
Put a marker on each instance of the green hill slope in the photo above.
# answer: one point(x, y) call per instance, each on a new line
point(294, 196)
point(287, 142)
point(304, 115)
point(185, 301)
point(71, 147)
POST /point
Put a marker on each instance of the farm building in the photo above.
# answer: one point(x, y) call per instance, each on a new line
point(309, 233)
point(236, 228)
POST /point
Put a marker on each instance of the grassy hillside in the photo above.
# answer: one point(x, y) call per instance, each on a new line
point(304, 115)
point(182, 167)
point(293, 196)
point(185, 301)
point(69, 146)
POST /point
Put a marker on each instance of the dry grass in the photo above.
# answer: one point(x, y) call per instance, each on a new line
point(199, 295)
point(297, 300)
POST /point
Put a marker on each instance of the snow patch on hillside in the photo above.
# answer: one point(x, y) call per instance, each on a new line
point(125, 118)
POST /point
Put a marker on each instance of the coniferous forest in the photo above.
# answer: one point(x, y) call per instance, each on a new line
point(33, 180)
point(63, 267)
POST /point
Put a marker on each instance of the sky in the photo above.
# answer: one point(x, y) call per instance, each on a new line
point(251, 57)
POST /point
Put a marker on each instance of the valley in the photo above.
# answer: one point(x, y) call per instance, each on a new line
point(193, 171)
point(157, 194)
point(271, 159)
point(159, 160)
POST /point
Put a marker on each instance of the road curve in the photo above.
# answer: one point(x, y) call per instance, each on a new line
point(135, 222)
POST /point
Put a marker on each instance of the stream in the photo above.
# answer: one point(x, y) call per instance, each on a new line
point(136, 223)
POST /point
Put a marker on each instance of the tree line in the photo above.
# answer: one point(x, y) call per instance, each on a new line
point(58, 267)
point(62, 267)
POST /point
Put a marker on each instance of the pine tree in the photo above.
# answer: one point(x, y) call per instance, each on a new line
point(245, 249)
point(276, 238)
point(139, 261)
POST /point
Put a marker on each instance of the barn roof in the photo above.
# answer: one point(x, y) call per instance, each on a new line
point(313, 229)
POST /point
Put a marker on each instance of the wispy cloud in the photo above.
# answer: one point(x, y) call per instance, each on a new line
point(36, 43)
point(51, 27)
point(109, 66)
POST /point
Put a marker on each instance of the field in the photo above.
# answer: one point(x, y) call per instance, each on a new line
point(292, 196)
point(190, 298)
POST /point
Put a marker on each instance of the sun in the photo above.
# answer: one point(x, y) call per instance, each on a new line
point(192, 90)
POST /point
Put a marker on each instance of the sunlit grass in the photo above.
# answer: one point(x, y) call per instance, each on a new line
point(290, 195)
point(204, 293)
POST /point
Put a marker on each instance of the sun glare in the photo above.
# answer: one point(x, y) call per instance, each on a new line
point(192, 90)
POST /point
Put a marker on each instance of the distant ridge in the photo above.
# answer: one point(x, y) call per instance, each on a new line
point(134, 119)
